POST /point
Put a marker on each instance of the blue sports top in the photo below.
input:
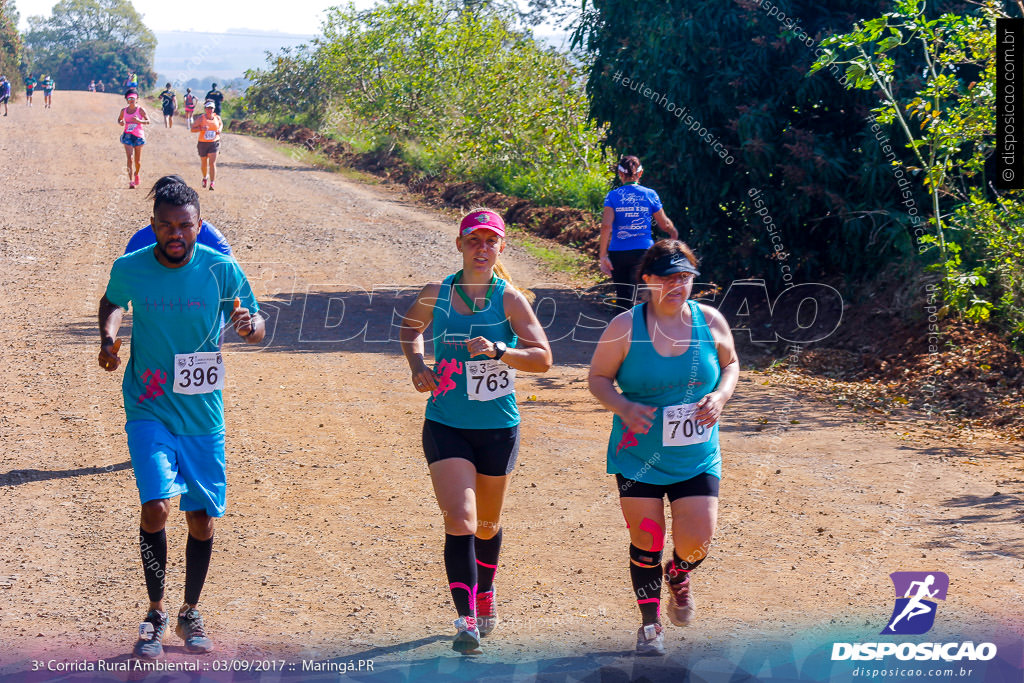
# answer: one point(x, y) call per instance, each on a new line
point(634, 206)
point(175, 311)
point(651, 379)
point(450, 404)
point(208, 235)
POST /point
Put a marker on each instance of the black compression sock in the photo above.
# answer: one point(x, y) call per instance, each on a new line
point(647, 587)
point(460, 564)
point(197, 563)
point(680, 569)
point(487, 560)
point(154, 562)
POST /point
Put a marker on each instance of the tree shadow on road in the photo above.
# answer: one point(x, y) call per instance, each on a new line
point(266, 167)
point(17, 477)
point(354, 320)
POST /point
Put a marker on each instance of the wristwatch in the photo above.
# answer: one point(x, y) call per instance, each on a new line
point(499, 349)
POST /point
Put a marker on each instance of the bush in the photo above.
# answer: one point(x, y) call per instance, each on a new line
point(453, 89)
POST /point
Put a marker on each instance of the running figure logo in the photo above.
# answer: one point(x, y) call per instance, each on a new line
point(915, 608)
point(628, 440)
point(153, 380)
point(446, 368)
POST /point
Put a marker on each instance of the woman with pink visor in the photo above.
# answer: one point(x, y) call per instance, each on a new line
point(484, 331)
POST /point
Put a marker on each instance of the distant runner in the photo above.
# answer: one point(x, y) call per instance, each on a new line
point(209, 127)
point(132, 82)
point(190, 106)
point(626, 229)
point(47, 85)
point(30, 87)
point(169, 103)
point(215, 96)
point(133, 118)
point(172, 394)
point(5, 92)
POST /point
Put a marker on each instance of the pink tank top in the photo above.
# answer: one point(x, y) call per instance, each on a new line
point(131, 123)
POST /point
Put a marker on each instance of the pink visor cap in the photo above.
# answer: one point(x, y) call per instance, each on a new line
point(485, 220)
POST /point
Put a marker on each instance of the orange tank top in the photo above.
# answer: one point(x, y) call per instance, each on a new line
point(209, 129)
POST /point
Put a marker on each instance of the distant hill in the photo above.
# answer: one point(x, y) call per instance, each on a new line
point(185, 55)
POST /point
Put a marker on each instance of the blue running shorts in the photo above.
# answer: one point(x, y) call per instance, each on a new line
point(167, 465)
point(132, 140)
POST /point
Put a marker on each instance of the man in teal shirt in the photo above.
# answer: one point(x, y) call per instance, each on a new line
point(30, 87)
point(172, 385)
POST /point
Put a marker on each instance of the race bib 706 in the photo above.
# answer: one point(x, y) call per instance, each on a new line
point(679, 426)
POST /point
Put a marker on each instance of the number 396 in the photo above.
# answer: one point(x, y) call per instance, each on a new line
point(197, 376)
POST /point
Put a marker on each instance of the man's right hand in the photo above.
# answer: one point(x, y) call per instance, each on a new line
point(108, 356)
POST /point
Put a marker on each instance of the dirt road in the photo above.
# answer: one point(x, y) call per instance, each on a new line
point(331, 546)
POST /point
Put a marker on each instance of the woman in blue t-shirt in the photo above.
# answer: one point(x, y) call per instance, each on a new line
point(626, 228)
point(483, 330)
point(675, 364)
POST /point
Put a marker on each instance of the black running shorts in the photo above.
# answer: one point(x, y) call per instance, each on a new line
point(492, 451)
point(702, 485)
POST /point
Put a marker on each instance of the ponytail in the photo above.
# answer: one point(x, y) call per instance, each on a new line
point(500, 271)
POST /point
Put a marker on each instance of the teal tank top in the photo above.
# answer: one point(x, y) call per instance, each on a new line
point(459, 376)
point(651, 379)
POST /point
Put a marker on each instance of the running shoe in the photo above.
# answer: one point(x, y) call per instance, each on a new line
point(467, 639)
point(151, 632)
point(486, 618)
point(211, 185)
point(137, 183)
point(190, 629)
point(681, 608)
point(650, 640)
point(204, 181)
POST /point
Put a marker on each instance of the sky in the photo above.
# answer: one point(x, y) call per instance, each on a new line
point(293, 16)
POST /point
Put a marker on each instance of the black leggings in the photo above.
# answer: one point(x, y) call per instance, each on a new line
point(492, 451)
point(624, 265)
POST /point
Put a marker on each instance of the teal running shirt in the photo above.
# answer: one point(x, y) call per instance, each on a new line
point(675, 448)
point(472, 393)
point(176, 314)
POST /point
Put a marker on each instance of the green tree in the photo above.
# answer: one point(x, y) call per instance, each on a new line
point(84, 40)
point(10, 43)
point(737, 72)
point(934, 79)
point(452, 86)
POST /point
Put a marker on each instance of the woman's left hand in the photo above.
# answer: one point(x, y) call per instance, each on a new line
point(480, 346)
point(709, 409)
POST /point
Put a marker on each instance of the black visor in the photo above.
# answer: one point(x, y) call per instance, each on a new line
point(669, 264)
